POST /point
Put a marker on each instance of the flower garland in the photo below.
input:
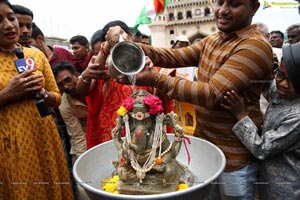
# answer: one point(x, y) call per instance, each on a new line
point(154, 103)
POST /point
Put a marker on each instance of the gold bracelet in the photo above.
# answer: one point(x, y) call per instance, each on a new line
point(83, 80)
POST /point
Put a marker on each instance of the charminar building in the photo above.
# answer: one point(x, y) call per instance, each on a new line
point(192, 18)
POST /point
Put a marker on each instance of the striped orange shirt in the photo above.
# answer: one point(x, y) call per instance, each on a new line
point(241, 62)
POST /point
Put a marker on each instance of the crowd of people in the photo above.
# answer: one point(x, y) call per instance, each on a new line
point(244, 84)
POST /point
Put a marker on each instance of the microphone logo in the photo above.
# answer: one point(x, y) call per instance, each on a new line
point(21, 65)
point(26, 64)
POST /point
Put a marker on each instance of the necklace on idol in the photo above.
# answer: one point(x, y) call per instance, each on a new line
point(157, 143)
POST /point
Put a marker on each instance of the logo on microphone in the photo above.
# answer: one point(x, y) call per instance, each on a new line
point(25, 64)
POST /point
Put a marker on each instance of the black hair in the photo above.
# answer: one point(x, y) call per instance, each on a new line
point(82, 40)
point(36, 31)
point(63, 65)
point(7, 3)
point(294, 26)
point(278, 32)
point(97, 37)
point(253, 1)
point(22, 10)
point(291, 57)
point(145, 36)
point(115, 23)
point(138, 33)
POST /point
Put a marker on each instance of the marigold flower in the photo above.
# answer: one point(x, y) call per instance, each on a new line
point(122, 111)
point(110, 187)
point(182, 186)
point(110, 184)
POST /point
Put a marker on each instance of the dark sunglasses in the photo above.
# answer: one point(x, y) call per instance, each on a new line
point(66, 80)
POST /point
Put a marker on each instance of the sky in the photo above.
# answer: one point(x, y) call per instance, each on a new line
point(66, 18)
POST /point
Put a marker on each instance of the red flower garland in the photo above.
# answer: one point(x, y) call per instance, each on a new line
point(154, 104)
point(128, 103)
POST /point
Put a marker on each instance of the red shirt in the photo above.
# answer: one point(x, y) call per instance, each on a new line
point(61, 54)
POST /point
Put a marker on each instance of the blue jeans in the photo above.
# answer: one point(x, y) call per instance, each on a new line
point(239, 185)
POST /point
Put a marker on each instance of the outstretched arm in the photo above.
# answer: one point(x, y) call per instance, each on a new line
point(96, 70)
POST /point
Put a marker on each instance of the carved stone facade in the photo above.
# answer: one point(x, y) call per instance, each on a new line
point(192, 18)
point(56, 41)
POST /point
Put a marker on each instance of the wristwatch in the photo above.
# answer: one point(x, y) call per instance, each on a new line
point(44, 93)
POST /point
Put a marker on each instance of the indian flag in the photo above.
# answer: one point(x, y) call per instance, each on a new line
point(150, 11)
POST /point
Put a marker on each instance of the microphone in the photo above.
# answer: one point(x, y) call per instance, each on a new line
point(19, 53)
point(21, 67)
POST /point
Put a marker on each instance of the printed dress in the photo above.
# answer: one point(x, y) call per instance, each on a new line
point(32, 161)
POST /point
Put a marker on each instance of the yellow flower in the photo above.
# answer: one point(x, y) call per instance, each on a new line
point(182, 186)
point(122, 111)
point(109, 185)
point(115, 178)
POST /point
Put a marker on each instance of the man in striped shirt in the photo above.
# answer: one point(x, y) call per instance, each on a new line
point(239, 58)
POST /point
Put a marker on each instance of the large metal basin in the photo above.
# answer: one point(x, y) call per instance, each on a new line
point(207, 163)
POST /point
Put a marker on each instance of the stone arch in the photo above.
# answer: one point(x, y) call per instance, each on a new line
point(179, 15)
point(171, 17)
point(189, 14)
point(207, 11)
